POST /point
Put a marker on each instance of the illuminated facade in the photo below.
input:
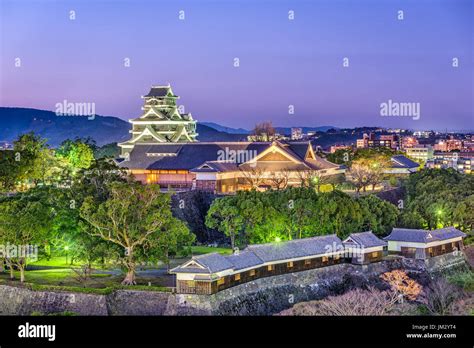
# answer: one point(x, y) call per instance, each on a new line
point(161, 121)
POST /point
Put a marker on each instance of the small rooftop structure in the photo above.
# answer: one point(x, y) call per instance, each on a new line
point(365, 239)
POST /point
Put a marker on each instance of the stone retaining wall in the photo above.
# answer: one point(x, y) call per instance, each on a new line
point(264, 296)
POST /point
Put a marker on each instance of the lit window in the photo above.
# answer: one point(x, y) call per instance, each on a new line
point(325, 259)
point(270, 267)
point(374, 254)
point(443, 247)
point(220, 281)
point(307, 262)
point(190, 283)
point(252, 272)
point(289, 264)
point(237, 277)
point(337, 257)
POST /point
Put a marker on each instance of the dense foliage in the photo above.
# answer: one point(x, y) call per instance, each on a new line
point(438, 198)
point(259, 217)
point(65, 201)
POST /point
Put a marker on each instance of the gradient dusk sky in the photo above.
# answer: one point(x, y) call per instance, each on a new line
point(282, 62)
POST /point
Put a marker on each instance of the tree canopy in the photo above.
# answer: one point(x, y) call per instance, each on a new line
point(259, 217)
point(138, 219)
point(438, 198)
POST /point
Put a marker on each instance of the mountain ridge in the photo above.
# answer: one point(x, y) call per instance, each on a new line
point(103, 129)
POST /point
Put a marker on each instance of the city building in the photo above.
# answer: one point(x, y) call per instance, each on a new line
point(334, 148)
point(423, 134)
point(296, 133)
point(408, 142)
point(423, 244)
point(460, 161)
point(379, 143)
point(364, 142)
point(394, 139)
point(448, 145)
point(370, 141)
point(420, 152)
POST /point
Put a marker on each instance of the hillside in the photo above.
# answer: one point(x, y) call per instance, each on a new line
point(103, 129)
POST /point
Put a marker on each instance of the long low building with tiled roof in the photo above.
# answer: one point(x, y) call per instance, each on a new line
point(207, 274)
point(422, 244)
point(210, 273)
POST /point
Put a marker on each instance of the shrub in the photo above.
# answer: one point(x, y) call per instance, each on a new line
point(402, 284)
point(439, 297)
point(464, 280)
point(354, 302)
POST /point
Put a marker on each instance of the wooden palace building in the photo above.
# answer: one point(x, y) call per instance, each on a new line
point(164, 150)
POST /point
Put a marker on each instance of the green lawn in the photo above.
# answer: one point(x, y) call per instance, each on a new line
point(199, 250)
point(63, 276)
point(56, 274)
point(58, 261)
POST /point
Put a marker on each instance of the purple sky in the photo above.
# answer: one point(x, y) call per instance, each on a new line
point(282, 62)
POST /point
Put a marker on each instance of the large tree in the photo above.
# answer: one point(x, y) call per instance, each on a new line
point(36, 162)
point(79, 154)
point(138, 219)
point(225, 216)
point(25, 222)
point(9, 170)
point(264, 131)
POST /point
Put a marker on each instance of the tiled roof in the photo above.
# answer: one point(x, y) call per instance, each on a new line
point(216, 166)
point(447, 233)
point(366, 239)
point(400, 161)
point(259, 254)
point(274, 166)
point(296, 248)
point(244, 259)
point(160, 91)
point(190, 156)
point(423, 236)
point(321, 163)
point(214, 262)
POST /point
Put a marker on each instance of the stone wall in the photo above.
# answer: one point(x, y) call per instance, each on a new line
point(21, 301)
point(264, 296)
